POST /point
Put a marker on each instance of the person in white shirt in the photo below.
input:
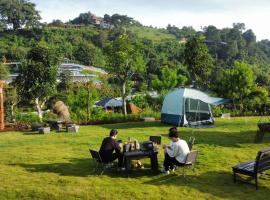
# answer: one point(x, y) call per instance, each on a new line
point(176, 152)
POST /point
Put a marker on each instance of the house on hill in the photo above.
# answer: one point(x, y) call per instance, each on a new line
point(76, 70)
point(97, 20)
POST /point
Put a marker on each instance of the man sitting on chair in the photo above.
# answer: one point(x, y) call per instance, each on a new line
point(175, 153)
point(110, 149)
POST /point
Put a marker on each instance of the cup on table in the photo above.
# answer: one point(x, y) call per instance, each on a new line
point(127, 147)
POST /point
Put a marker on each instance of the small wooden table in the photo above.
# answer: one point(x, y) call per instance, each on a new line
point(139, 154)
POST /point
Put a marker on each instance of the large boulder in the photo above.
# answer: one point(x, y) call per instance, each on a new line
point(61, 110)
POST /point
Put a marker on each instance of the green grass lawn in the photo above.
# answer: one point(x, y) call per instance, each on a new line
point(156, 35)
point(58, 165)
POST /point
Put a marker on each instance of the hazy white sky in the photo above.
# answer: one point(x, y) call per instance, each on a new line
point(220, 13)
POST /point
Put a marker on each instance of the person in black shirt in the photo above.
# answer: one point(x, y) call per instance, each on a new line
point(110, 149)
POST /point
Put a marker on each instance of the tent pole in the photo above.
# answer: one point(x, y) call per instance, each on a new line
point(197, 112)
point(211, 114)
point(183, 113)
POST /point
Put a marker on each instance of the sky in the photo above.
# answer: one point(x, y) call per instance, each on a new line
point(159, 13)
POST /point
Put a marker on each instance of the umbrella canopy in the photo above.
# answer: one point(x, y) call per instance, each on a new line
point(109, 102)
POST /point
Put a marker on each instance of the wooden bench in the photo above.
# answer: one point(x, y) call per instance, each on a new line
point(254, 167)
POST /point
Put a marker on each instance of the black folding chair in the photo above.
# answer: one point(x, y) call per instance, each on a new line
point(190, 161)
point(155, 139)
point(191, 143)
point(100, 165)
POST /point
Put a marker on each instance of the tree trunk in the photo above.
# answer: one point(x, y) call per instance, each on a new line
point(124, 98)
point(12, 112)
point(241, 105)
point(88, 103)
point(39, 110)
point(15, 24)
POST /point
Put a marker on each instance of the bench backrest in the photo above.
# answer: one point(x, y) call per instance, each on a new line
point(262, 160)
point(95, 155)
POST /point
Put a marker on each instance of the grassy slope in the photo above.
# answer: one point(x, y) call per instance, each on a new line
point(58, 166)
point(156, 35)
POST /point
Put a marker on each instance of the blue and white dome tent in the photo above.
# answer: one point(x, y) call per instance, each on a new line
point(189, 107)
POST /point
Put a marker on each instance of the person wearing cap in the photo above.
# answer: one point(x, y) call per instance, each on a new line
point(110, 149)
point(175, 153)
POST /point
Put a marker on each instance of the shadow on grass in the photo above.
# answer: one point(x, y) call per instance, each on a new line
point(83, 168)
point(75, 167)
point(32, 133)
point(223, 138)
point(209, 136)
point(259, 137)
point(127, 125)
point(217, 183)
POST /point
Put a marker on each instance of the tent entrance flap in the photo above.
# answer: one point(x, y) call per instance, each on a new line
point(197, 111)
point(176, 120)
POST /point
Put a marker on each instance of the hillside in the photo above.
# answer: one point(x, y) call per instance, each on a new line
point(156, 35)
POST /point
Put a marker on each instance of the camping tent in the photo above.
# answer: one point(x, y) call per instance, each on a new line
point(189, 107)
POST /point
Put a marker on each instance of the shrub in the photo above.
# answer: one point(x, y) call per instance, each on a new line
point(148, 112)
point(140, 101)
point(27, 118)
point(49, 115)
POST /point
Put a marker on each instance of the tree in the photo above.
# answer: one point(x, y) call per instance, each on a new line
point(88, 54)
point(213, 39)
point(38, 76)
point(237, 83)
point(16, 52)
point(169, 79)
point(250, 39)
point(3, 71)
point(257, 99)
point(198, 61)
point(120, 20)
point(249, 36)
point(18, 13)
point(12, 99)
point(56, 23)
point(124, 60)
point(81, 101)
point(85, 18)
point(100, 39)
point(187, 32)
point(65, 81)
point(240, 26)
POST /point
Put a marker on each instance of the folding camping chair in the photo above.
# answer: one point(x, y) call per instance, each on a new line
point(190, 162)
point(191, 143)
point(155, 139)
point(99, 164)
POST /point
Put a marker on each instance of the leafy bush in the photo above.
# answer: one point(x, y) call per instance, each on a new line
point(217, 111)
point(148, 112)
point(156, 103)
point(27, 118)
point(109, 117)
point(140, 101)
point(49, 115)
point(99, 116)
